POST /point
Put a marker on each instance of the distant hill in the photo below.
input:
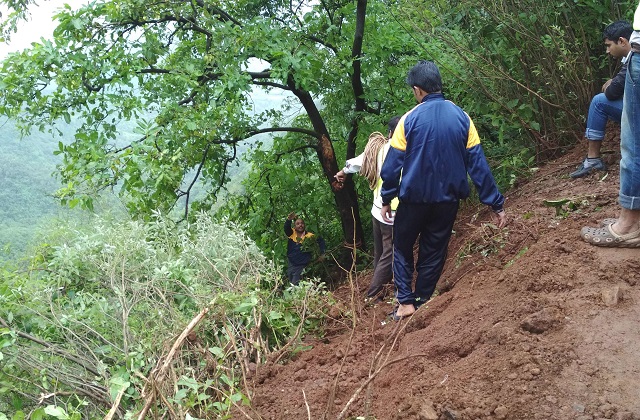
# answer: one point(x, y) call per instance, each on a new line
point(26, 201)
point(27, 171)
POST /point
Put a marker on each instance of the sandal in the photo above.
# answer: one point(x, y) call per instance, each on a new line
point(608, 221)
point(393, 315)
point(605, 236)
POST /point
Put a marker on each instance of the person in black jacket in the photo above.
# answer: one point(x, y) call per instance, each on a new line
point(608, 104)
point(297, 256)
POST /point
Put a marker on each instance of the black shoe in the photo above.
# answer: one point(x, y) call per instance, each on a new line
point(588, 166)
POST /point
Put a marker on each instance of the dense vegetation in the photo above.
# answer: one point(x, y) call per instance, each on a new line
point(86, 324)
point(106, 298)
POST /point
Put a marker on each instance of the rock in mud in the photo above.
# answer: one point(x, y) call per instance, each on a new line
point(541, 321)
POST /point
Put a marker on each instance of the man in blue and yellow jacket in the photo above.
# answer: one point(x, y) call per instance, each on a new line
point(297, 257)
point(434, 147)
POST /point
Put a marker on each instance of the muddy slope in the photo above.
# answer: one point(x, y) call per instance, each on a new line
point(530, 323)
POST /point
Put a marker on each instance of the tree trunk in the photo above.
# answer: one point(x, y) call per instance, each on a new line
point(346, 198)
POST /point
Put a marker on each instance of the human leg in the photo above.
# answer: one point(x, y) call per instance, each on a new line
point(377, 241)
point(629, 196)
point(625, 232)
point(383, 272)
point(601, 110)
point(405, 234)
point(294, 274)
point(434, 241)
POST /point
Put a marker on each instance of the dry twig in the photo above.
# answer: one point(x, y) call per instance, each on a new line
point(157, 375)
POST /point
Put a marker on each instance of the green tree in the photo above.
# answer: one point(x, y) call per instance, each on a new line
point(525, 70)
point(185, 72)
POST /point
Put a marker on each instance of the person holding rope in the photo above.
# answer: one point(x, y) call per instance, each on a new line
point(368, 164)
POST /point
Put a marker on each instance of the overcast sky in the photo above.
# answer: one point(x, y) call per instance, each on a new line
point(39, 25)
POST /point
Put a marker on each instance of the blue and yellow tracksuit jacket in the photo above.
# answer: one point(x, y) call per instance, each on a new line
point(295, 254)
point(434, 147)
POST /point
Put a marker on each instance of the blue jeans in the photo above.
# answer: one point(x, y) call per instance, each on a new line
point(629, 196)
point(602, 109)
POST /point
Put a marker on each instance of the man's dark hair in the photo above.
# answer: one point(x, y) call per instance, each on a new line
point(616, 30)
point(393, 123)
point(426, 76)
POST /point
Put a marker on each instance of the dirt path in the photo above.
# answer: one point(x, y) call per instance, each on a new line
point(530, 323)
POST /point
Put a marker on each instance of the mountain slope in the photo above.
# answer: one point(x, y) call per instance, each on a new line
point(544, 327)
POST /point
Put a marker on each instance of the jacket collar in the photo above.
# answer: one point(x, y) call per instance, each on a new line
point(432, 96)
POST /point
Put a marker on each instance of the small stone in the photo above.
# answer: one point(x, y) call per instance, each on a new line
point(607, 410)
point(501, 412)
point(612, 296)
point(450, 414)
point(541, 321)
point(427, 412)
point(579, 408)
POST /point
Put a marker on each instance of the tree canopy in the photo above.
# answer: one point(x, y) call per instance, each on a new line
point(184, 72)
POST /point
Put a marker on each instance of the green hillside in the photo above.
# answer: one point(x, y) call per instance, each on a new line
point(26, 201)
point(27, 171)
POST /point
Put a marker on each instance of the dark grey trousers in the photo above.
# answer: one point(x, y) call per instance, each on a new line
point(382, 257)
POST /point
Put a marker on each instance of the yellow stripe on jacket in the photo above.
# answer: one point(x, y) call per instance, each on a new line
point(473, 139)
point(294, 237)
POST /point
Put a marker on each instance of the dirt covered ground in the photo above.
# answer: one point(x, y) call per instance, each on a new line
point(530, 323)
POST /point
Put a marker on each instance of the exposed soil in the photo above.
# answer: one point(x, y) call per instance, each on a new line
point(529, 323)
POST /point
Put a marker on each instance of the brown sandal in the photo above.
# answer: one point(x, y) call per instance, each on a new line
point(605, 236)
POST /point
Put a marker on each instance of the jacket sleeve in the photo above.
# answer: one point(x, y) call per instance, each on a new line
point(615, 90)
point(353, 165)
point(480, 173)
point(287, 228)
point(392, 166)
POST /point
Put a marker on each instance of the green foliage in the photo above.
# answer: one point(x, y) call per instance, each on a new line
point(487, 241)
point(185, 81)
point(565, 205)
point(105, 302)
point(27, 185)
point(275, 188)
point(524, 70)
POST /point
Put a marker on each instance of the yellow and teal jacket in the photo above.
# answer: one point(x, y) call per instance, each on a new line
point(295, 254)
point(435, 146)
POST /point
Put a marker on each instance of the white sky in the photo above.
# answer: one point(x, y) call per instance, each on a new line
point(40, 24)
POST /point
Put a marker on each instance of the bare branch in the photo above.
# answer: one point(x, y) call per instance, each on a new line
point(52, 348)
point(193, 182)
point(308, 132)
point(158, 374)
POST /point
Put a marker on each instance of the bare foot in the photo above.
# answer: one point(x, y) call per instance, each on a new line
point(620, 229)
point(405, 310)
